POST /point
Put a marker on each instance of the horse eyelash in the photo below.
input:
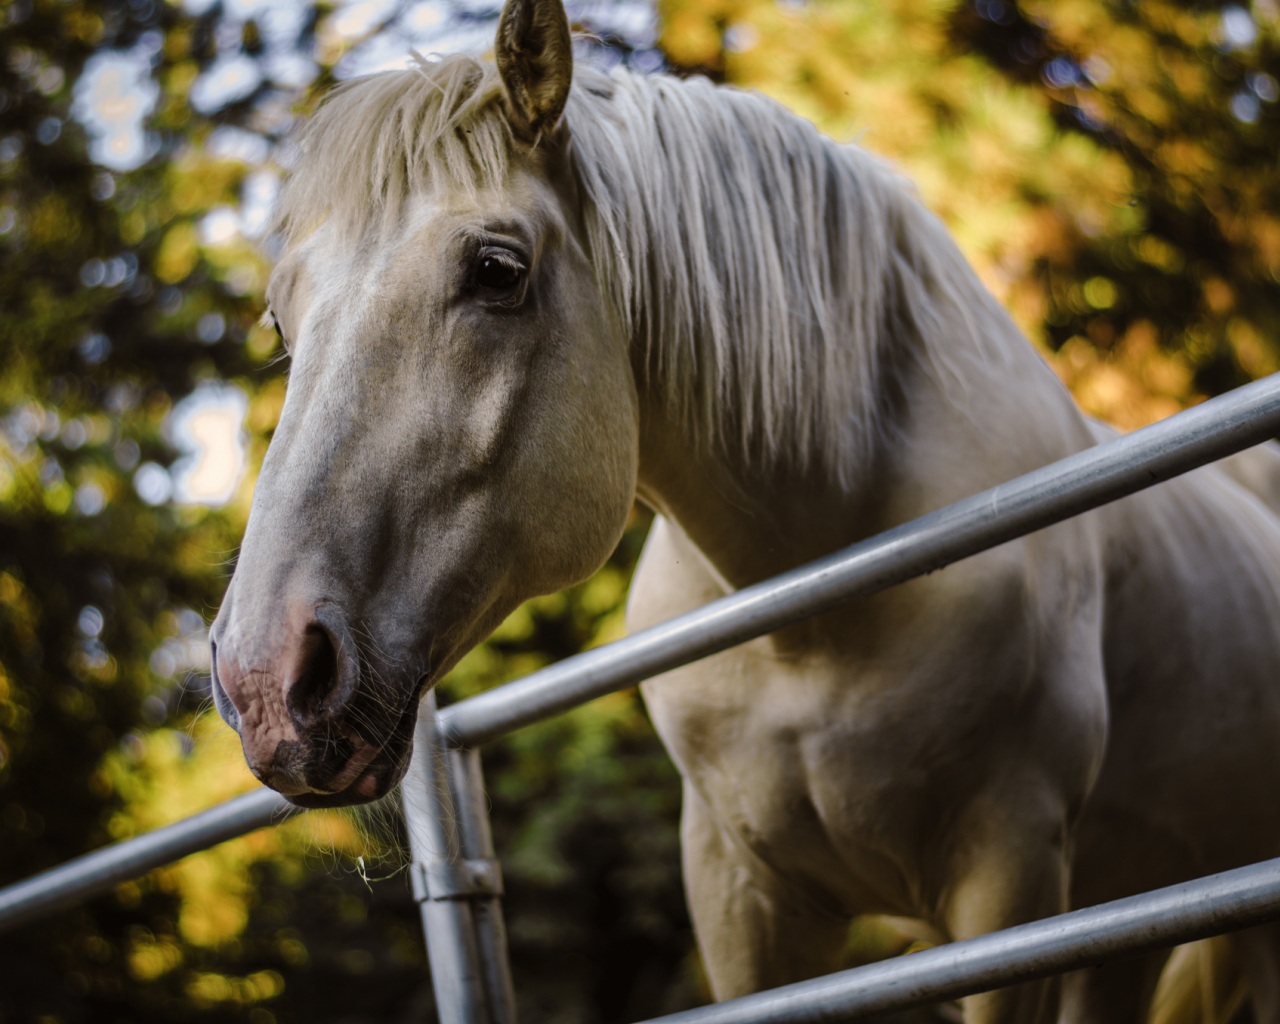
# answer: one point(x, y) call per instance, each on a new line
point(505, 257)
point(268, 319)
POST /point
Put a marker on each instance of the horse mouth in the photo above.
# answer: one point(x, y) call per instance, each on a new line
point(372, 784)
point(369, 774)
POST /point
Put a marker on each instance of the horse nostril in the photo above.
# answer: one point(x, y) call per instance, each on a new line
point(313, 690)
point(326, 668)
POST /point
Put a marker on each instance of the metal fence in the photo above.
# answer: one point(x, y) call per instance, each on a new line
point(456, 877)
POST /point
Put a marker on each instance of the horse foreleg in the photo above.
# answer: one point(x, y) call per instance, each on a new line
point(753, 931)
point(1118, 993)
point(1007, 872)
point(1259, 952)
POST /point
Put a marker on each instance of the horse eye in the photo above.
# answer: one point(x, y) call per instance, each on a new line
point(498, 272)
point(280, 334)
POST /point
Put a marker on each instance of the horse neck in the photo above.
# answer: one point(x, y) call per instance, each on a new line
point(950, 432)
point(922, 390)
point(749, 521)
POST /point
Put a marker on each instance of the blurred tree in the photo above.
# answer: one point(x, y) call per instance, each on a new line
point(1108, 167)
point(105, 320)
point(1186, 97)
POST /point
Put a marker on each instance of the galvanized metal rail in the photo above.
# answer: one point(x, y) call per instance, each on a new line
point(455, 876)
point(1083, 938)
point(104, 869)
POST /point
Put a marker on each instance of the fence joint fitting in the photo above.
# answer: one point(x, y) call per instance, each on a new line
point(459, 879)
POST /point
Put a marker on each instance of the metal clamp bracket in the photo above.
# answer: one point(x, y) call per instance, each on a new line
point(459, 879)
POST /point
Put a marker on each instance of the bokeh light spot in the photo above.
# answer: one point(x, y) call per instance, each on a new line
point(113, 97)
point(208, 426)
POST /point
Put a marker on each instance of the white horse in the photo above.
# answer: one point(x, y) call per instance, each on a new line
point(518, 296)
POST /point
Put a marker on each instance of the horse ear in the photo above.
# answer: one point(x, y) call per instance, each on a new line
point(535, 59)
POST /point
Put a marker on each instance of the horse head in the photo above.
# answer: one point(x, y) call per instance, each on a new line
point(460, 427)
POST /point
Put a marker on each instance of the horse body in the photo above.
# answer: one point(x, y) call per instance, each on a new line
point(504, 326)
point(1071, 718)
point(854, 764)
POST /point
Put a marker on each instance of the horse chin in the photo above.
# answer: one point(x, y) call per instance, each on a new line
point(371, 785)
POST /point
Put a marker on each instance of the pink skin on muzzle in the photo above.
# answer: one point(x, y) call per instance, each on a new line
point(270, 728)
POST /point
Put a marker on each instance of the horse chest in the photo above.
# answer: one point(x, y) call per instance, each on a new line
point(845, 761)
point(844, 785)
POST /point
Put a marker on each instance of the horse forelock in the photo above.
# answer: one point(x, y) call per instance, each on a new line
point(773, 276)
point(373, 141)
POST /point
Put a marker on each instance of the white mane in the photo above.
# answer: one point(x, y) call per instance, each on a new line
point(773, 275)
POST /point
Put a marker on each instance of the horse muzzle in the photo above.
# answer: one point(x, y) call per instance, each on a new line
point(303, 701)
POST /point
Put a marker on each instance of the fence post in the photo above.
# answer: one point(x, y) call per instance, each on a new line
point(486, 899)
point(456, 878)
